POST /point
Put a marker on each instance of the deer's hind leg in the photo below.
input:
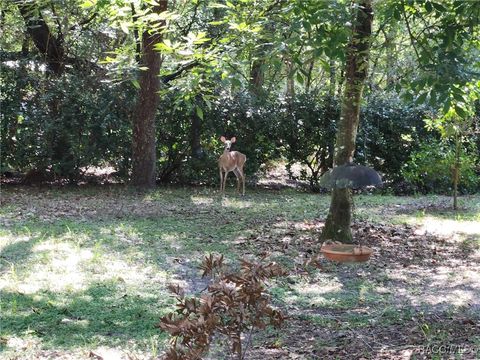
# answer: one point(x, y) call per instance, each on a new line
point(240, 178)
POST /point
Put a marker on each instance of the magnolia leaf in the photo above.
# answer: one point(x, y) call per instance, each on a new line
point(421, 99)
point(124, 27)
point(87, 4)
point(300, 78)
point(199, 112)
point(136, 84)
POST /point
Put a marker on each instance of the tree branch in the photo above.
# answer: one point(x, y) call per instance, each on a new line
point(179, 71)
point(84, 22)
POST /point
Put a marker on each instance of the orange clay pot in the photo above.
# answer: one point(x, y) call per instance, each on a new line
point(346, 252)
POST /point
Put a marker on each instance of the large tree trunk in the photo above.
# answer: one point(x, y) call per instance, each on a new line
point(333, 74)
point(144, 155)
point(257, 76)
point(48, 45)
point(196, 136)
point(337, 226)
point(290, 90)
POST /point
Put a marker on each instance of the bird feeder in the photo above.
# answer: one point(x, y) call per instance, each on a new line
point(349, 176)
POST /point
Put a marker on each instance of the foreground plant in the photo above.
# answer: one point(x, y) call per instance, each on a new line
point(234, 305)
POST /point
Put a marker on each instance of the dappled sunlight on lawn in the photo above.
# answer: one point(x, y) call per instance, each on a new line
point(88, 271)
point(202, 200)
point(58, 268)
point(448, 227)
point(443, 286)
point(319, 289)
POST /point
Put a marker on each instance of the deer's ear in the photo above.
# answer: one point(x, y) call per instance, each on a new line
point(233, 139)
point(222, 139)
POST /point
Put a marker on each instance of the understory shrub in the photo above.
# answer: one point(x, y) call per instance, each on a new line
point(63, 124)
point(389, 132)
point(77, 121)
point(253, 124)
point(430, 168)
point(307, 133)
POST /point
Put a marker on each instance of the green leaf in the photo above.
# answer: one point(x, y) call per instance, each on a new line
point(446, 105)
point(87, 4)
point(460, 111)
point(199, 112)
point(218, 6)
point(215, 23)
point(235, 82)
point(307, 25)
point(124, 27)
point(428, 7)
point(408, 96)
point(421, 99)
point(136, 84)
point(439, 7)
point(458, 95)
point(397, 15)
point(300, 78)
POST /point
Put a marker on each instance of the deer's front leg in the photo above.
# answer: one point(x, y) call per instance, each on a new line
point(221, 180)
point(239, 178)
point(225, 180)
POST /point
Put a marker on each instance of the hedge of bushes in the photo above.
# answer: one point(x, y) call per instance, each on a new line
point(72, 122)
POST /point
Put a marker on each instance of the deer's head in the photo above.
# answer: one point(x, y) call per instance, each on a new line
point(228, 143)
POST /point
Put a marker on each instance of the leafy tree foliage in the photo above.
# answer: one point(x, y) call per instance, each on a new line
point(270, 72)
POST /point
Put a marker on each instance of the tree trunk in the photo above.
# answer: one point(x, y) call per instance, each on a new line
point(48, 45)
point(308, 81)
point(196, 136)
point(337, 225)
point(332, 73)
point(391, 56)
point(144, 149)
point(456, 171)
point(290, 91)
point(257, 76)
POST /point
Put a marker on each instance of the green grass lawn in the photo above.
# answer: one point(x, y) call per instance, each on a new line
point(85, 270)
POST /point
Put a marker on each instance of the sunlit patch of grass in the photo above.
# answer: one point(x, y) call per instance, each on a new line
point(67, 286)
point(413, 209)
point(330, 293)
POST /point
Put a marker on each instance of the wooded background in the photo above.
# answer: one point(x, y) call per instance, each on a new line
point(79, 88)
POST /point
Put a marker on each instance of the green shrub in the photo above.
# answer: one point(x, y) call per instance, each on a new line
point(63, 124)
point(252, 123)
point(389, 132)
point(430, 168)
point(307, 133)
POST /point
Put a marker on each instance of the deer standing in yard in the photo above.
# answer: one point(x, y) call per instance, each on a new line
point(231, 161)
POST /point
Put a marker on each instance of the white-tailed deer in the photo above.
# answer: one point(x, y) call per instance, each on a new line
point(231, 161)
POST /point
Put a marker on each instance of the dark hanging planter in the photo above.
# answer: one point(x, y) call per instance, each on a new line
point(350, 176)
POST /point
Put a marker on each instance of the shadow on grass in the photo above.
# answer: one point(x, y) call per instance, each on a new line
point(103, 313)
point(18, 252)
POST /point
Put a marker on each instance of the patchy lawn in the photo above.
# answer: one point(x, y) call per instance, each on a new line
point(84, 272)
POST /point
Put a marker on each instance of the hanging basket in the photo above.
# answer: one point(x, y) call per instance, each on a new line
point(346, 252)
